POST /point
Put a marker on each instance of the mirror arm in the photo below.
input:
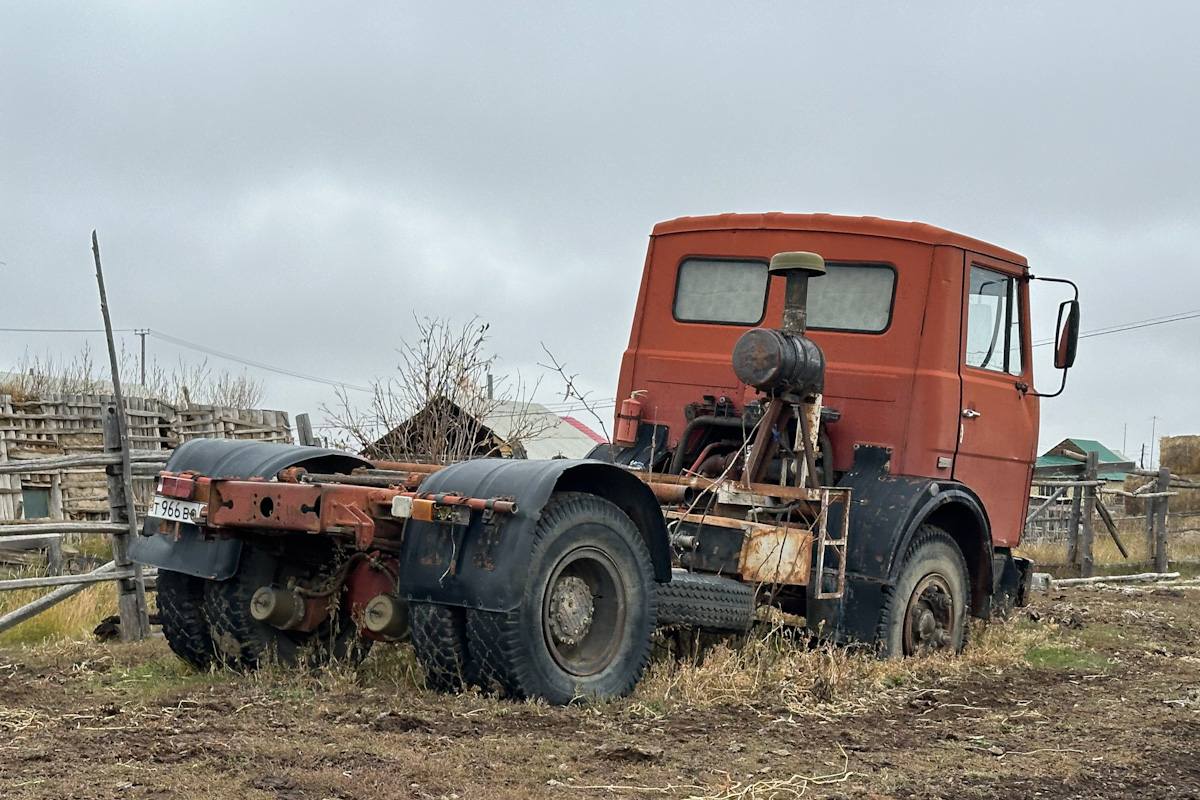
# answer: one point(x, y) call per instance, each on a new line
point(1076, 298)
point(1058, 280)
point(1060, 388)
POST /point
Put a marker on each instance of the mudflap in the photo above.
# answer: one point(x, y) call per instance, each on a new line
point(1011, 584)
point(184, 548)
point(187, 551)
point(483, 564)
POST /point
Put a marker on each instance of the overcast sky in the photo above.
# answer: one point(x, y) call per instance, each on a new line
point(290, 182)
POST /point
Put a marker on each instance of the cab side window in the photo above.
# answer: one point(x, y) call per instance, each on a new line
point(994, 322)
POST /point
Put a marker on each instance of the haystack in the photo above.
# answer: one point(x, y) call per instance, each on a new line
point(1180, 454)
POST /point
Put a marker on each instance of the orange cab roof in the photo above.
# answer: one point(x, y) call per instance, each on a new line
point(832, 223)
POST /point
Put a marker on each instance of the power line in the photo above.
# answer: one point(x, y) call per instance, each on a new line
point(256, 364)
point(1131, 326)
point(64, 330)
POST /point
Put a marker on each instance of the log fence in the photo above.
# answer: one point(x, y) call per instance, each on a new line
point(129, 576)
point(1055, 517)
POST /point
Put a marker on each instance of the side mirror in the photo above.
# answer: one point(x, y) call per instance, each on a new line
point(1066, 342)
point(1067, 339)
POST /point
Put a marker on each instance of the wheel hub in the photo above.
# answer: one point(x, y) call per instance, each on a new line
point(571, 610)
point(930, 616)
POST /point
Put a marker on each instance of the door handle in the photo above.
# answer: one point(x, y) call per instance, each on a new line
point(970, 413)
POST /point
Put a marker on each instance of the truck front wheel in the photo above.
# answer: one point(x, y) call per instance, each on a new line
point(926, 609)
point(585, 625)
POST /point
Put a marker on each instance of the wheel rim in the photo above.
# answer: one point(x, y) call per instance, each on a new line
point(929, 618)
point(583, 611)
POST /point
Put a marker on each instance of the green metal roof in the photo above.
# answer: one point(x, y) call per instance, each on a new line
point(1050, 462)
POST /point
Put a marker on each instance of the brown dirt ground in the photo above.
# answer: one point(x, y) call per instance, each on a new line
point(1106, 705)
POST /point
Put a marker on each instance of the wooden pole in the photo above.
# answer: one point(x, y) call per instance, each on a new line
point(1073, 525)
point(131, 592)
point(1087, 531)
point(1111, 525)
point(60, 580)
point(1045, 504)
point(1151, 508)
point(1160, 521)
point(22, 527)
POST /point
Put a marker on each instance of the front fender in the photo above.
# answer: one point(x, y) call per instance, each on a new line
point(483, 564)
point(885, 513)
point(180, 547)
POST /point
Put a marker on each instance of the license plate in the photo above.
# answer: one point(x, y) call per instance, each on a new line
point(178, 510)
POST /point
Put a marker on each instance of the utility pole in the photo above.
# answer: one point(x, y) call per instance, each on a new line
point(142, 333)
point(1153, 424)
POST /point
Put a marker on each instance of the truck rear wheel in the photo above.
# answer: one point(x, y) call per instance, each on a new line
point(242, 642)
point(439, 640)
point(585, 626)
point(708, 602)
point(926, 610)
point(184, 625)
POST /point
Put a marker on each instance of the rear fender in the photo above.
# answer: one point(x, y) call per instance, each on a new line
point(180, 547)
point(483, 564)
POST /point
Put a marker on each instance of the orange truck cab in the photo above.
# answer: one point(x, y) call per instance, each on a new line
point(928, 411)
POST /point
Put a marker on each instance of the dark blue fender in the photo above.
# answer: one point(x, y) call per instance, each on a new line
point(182, 548)
point(483, 565)
point(885, 513)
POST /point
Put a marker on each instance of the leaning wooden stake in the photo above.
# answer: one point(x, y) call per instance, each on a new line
point(131, 592)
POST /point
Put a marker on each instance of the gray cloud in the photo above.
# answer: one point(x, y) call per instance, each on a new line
point(292, 181)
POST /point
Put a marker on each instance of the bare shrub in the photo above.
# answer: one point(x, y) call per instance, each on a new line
point(442, 405)
point(187, 384)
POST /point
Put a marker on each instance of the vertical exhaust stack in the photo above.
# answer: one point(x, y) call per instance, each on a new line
point(797, 268)
point(785, 360)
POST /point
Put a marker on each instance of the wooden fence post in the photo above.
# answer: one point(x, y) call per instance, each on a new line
point(304, 431)
point(1160, 520)
point(1087, 532)
point(1151, 509)
point(1073, 525)
point(131, 592)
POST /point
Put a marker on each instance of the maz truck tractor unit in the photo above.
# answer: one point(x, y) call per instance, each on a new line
point(927, 415)
point(830, 415)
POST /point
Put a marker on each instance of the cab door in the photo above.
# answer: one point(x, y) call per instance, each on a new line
point(998, 418)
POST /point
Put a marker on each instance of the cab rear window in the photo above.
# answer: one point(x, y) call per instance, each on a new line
point(852, 297)
point(849, 297)
point(721, 291)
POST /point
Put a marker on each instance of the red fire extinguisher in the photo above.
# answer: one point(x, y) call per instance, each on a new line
point(628, 419)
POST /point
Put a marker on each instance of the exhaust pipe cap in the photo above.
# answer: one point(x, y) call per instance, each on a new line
point(277, 607)
point(387, 617)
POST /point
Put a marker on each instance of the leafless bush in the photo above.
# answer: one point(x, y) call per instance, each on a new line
point(186, 384)
point(442, 404)
point(571, 391)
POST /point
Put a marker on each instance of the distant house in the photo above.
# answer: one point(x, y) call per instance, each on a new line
point(1065, 460)
point(443, 430)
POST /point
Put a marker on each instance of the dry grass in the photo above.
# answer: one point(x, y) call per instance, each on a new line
point(782, 665)
point(72, 619)
point(1183, 549)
